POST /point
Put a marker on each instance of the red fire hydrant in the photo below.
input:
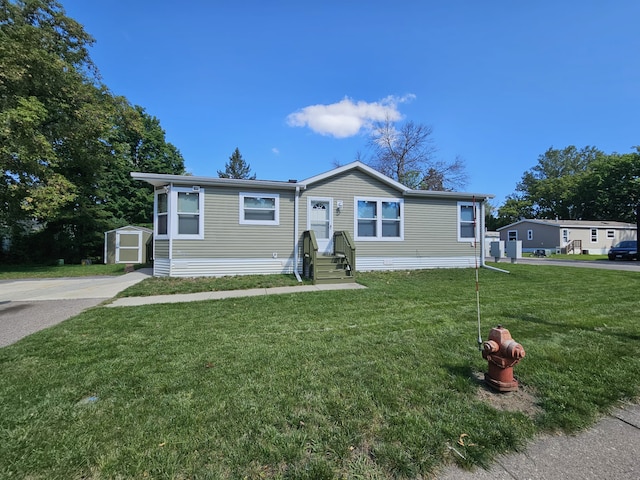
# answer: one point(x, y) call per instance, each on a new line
point(503, 353)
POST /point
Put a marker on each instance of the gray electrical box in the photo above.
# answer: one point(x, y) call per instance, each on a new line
point(514, 250)
point(496, 250)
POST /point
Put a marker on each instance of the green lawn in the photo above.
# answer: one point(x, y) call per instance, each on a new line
point(375, 383)
point(8, 272)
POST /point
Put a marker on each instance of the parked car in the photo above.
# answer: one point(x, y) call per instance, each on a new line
point(627, 250)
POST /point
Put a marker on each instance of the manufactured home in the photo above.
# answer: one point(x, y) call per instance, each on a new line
point(568, 236)
point(352, 217)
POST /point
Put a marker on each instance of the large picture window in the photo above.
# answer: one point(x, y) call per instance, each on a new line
point(379, 219)
point(259, 209)
point(467, 225)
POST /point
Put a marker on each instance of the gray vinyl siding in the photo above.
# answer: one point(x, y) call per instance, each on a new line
point(225, 237)
point(430, 225)
point(161, 249)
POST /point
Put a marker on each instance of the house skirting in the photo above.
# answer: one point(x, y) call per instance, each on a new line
point(217, 267)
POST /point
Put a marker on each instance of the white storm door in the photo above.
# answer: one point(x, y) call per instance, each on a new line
point(320, 220)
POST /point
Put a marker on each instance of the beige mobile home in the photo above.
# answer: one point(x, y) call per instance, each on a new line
point(568, 236)
point(352, 217)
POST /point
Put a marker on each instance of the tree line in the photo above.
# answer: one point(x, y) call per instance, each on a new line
point(576, 184)
point(67, 143)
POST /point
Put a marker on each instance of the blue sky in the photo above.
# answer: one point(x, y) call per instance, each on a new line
point(295, 85)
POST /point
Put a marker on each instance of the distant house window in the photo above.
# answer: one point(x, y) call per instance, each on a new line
point(512, 235)
point(467, 227)
point(565, 235)
point(529, 234)
point(611, 234)
point(259, 209)
point(379, 218)
point(179, 212)
point(594, 235)
point(162, 214)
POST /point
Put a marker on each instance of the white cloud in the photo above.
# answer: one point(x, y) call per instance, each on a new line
point(347, 118)
point(275, 151)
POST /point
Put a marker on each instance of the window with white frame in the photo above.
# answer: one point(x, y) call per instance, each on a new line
point(611, 234)
point(594, 235)
point(467, 227)
point(512, 235)
point(259, 209)
point(162, 214)
point(179, 213)
point(379, 218)
point(565, 235)
point(529, 234)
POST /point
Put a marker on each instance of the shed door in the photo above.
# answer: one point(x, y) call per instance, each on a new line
point(128, 247)
point(320, 220)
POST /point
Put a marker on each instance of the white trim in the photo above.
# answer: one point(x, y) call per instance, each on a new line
point(243, 221)
point(509, 232)
point(591, 230)
point(357, 165)
point(529, 234)
point(137, 233)
point(476, 236)
point(378, 237)
point(156, 193)
point(322, 246)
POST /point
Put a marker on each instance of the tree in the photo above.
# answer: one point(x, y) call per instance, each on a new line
point(67, 144)
point(45, 80)
point(549, 189)
point(407, 155)
point(236, 167)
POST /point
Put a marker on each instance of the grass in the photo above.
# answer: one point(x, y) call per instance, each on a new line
point(172, 285)
point(375, 383)
point(9, 272)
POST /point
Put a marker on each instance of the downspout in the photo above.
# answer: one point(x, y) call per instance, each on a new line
point(169, 222)
point(296, 236)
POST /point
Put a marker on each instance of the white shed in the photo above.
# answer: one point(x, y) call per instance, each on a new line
point(128, 244)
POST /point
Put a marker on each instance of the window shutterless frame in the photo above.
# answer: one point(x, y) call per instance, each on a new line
point(468, 223)
point(378, 219)
point(259, 208)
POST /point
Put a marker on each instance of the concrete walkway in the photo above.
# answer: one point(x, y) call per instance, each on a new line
point(218, 295)
point(608, 451)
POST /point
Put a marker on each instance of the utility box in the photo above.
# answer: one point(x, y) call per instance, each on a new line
point(514, 250)
point(496, 250)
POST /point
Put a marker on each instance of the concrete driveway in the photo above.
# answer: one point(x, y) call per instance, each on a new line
point(27, 306)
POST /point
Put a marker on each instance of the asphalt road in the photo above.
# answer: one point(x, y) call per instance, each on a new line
point(27, 306)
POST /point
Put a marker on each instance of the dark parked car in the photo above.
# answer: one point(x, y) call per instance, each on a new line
point(627, 250)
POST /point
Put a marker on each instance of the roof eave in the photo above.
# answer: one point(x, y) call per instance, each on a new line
point(160, 180)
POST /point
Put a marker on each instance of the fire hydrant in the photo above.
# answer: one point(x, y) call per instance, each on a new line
point(503, 353)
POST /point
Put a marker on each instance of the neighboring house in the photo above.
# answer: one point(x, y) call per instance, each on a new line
point(568, 236)
point(206, 226)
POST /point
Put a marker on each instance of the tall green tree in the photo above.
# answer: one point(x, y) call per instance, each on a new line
point(46, 87)
point(611, 188)
point(236, 167)
point(67, 144)
point(548, 190)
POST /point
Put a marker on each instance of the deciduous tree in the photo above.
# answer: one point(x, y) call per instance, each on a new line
point(407, 154)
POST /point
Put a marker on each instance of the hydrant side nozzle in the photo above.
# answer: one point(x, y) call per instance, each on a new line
point(490, 346)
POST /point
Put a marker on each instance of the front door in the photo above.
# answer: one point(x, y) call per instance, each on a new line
point(320, 220)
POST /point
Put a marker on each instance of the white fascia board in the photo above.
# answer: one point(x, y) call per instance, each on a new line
point(160, 180)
